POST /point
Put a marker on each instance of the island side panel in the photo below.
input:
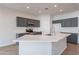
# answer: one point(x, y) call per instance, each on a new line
point(42, 48)
point(35, 48)
point(59, 47)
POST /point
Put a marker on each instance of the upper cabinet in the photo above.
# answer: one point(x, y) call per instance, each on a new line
point(33, 23)
point(69, 22)
point(57, 21)
point(21, 22)
point(25, 22)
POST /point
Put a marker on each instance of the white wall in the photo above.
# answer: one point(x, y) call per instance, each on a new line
point(68, 15)
point(45, 23)
point(8, 27)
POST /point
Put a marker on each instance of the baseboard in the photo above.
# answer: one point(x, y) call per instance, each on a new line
point(3, 45)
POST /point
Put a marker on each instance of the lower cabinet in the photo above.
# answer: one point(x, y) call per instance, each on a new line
point(73, 38)
point(30, 33)
point(20, 35)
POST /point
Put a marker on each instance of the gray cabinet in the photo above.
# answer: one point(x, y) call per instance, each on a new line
point(75, 22)
point(36, 23)
point(20, 35)
point(33, 23)
point(70, 22)
point(73, 38)
point(66, 23)
point(57, 21)
point(29, 33)
point(25, 22)
point(21, 22)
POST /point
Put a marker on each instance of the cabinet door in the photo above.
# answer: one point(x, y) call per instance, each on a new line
point(30, 23)
point(33, 23)
point(21, 34)
point(70, 22)
point(57, 21)
point(67, 23)
point(72, 38)
point(36, 23)
point(21, 22)
point(74, 22)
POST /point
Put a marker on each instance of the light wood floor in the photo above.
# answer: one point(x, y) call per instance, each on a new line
point(72, 49)
point(9, 50)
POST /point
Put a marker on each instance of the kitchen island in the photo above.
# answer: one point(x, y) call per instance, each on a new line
point(42, 44)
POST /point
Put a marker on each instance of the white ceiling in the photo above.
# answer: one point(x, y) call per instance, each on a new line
point(35, 7)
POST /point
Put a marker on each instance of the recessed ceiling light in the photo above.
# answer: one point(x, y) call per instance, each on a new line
point(55, 5)
point(39, 11)
point(27, 7)
point(60, 10)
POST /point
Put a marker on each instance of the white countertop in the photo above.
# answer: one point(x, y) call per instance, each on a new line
point(42, 38)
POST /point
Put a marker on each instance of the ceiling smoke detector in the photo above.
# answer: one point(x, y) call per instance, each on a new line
point(46, 8)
